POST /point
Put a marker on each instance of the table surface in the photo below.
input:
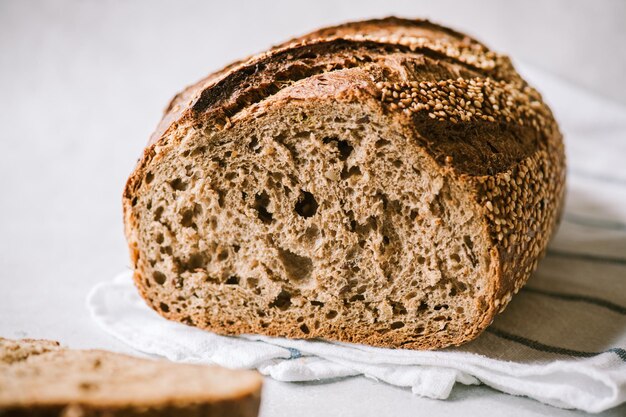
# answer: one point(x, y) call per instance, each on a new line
point(81, 90)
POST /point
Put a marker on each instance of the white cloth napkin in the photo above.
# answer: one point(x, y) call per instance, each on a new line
point(561, 341)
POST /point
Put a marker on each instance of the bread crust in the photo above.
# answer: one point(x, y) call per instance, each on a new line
point(493, 133)
point(43, 362)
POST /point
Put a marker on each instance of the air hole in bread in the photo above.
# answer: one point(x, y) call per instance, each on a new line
point(397, 325)
point(178, 184)
point(198, 151)
point(297, 268)
point(261, 201)
point(232, 280)
point(158, 212)
point(397, 308)
point(220, 197)
point(305, 329)
point(252, 283)
point(149, 177)
point(159, 277)
point(87, 386)
point(282, 300)
point(164, 307)
point(397, 163)
point(380, 143)
point(213, 222)
point(347, 288)
point(253, 145)
point(187, 219)
point(331, 314)
point(196, 260)
point(317, 303)
point(222, 255)
point(178, 282)
point(343, 147)
point(306, 205)
point(347, 173)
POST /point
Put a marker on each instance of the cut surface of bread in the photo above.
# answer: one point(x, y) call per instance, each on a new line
point(389, 182)
point(94, 382)
point(18, 350)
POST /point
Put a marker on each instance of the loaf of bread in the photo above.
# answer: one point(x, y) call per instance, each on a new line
point(390, 182)
point(39, 378)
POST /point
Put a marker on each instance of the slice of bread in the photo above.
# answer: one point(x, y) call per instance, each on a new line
point(389, 182)
point(18, 350)
point(40, 378)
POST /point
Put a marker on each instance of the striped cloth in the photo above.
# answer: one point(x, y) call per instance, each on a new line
point(562, 340)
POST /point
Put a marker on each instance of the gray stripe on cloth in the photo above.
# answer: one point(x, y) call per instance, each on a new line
point(533, 344)
point(555, 253)
point(576, 297)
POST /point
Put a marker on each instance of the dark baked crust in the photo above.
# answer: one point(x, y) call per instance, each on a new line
point(464, 104)
point(244, 406)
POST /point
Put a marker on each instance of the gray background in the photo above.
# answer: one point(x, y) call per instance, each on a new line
point(82, 85)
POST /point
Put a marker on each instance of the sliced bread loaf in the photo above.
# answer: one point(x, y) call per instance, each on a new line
point(390, 182)
point(64, 382)
point(18, 350)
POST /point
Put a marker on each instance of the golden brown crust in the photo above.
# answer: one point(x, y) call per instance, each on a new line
point(464, 104)
point(421, 35)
